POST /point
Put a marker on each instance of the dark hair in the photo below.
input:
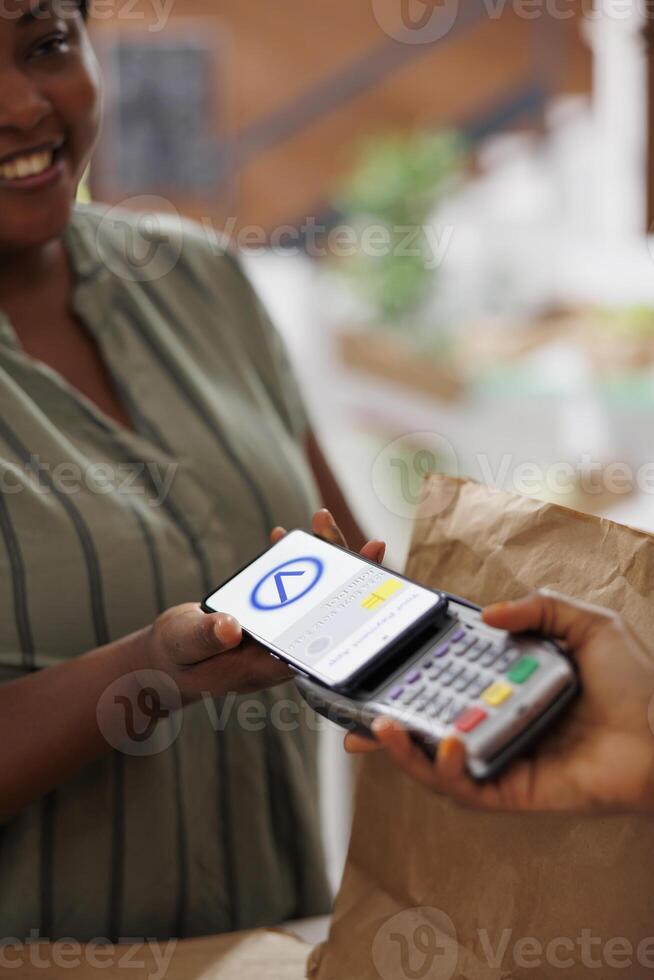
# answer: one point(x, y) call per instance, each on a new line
point(84, 8)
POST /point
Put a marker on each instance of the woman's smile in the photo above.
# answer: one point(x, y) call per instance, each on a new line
point(34, 169)
point(49, 115)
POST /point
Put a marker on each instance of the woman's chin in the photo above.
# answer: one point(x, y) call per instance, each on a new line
point(33, 223)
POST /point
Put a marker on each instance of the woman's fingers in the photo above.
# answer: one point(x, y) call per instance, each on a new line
point(191, 636)
point(325, 526)
point(374, 551)
point(226, 631)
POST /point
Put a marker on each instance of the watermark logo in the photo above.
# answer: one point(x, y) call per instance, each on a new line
point(399, 476)
point(150, 957)
point(427, 243)
point(153, 14)
point(139, 714)
point(421, 944)
point(427, 21)
point(149, 481)
point(417, 944)
point(141, 239)
point(416, 21)
point(399, 472)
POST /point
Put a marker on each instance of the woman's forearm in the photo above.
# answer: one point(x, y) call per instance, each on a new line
point(49, 725)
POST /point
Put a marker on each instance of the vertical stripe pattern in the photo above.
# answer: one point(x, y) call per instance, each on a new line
point(101, 638)
point(19, 586)
point(216, 829)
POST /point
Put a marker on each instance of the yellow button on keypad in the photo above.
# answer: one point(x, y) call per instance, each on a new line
point(497, 693)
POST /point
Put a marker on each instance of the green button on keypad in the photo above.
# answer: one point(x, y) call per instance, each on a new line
point(523, 670)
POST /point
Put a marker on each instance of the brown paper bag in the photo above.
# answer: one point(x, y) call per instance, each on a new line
point(432, 890)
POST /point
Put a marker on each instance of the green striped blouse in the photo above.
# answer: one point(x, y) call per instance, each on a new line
point(220, 830)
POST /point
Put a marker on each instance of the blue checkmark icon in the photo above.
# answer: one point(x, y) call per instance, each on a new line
point(279, 582)
point(287, 583)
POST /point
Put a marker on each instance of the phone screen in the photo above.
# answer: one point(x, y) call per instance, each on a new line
point(321, 608)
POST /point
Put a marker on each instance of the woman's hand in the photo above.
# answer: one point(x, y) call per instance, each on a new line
point(206, 653)
point(184, 654)
point(324, 525)
point(600, 757)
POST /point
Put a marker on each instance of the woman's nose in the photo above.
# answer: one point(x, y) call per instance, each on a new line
point(22, 104)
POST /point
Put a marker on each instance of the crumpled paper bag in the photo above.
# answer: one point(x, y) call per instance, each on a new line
point(432, 891)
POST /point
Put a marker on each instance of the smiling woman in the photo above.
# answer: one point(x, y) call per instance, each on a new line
point(105, 365)
point(51, 85)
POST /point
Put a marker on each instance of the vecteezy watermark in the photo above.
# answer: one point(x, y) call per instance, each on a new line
point(398, 475)
point(428, 21)
point(399, 471)
point(147, 480)
point(421, 944)
point(140, 713)
point(372, 239)
point(153, 15)
point(141, 239)
point(150, 957)
point(416, 944)
point(566, 477)
point(565, 952)
point(251, 714)
point(416, 21)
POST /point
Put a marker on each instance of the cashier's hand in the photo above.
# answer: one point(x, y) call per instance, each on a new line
point(601, 755)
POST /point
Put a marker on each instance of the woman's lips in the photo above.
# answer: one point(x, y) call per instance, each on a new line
point(34, 170)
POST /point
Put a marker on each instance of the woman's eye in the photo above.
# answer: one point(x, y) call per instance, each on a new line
point(55, 44)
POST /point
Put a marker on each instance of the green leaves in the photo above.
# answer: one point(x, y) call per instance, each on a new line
point(396, 184)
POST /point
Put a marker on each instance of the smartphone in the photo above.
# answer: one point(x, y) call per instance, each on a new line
point(332, 615)
point(365, 642)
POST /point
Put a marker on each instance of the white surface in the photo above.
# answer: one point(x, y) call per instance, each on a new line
point(312, 931)
point(620, 106)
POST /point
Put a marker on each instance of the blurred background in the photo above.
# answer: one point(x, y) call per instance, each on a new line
point(445, 206)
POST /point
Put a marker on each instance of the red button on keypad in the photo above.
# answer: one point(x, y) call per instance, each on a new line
point(470, 718)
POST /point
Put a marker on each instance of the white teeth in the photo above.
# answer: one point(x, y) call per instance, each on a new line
point(28, 166)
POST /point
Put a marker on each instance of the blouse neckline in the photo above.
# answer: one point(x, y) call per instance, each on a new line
point(87, 266)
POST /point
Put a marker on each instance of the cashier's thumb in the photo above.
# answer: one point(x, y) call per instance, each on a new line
point(552, 614)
